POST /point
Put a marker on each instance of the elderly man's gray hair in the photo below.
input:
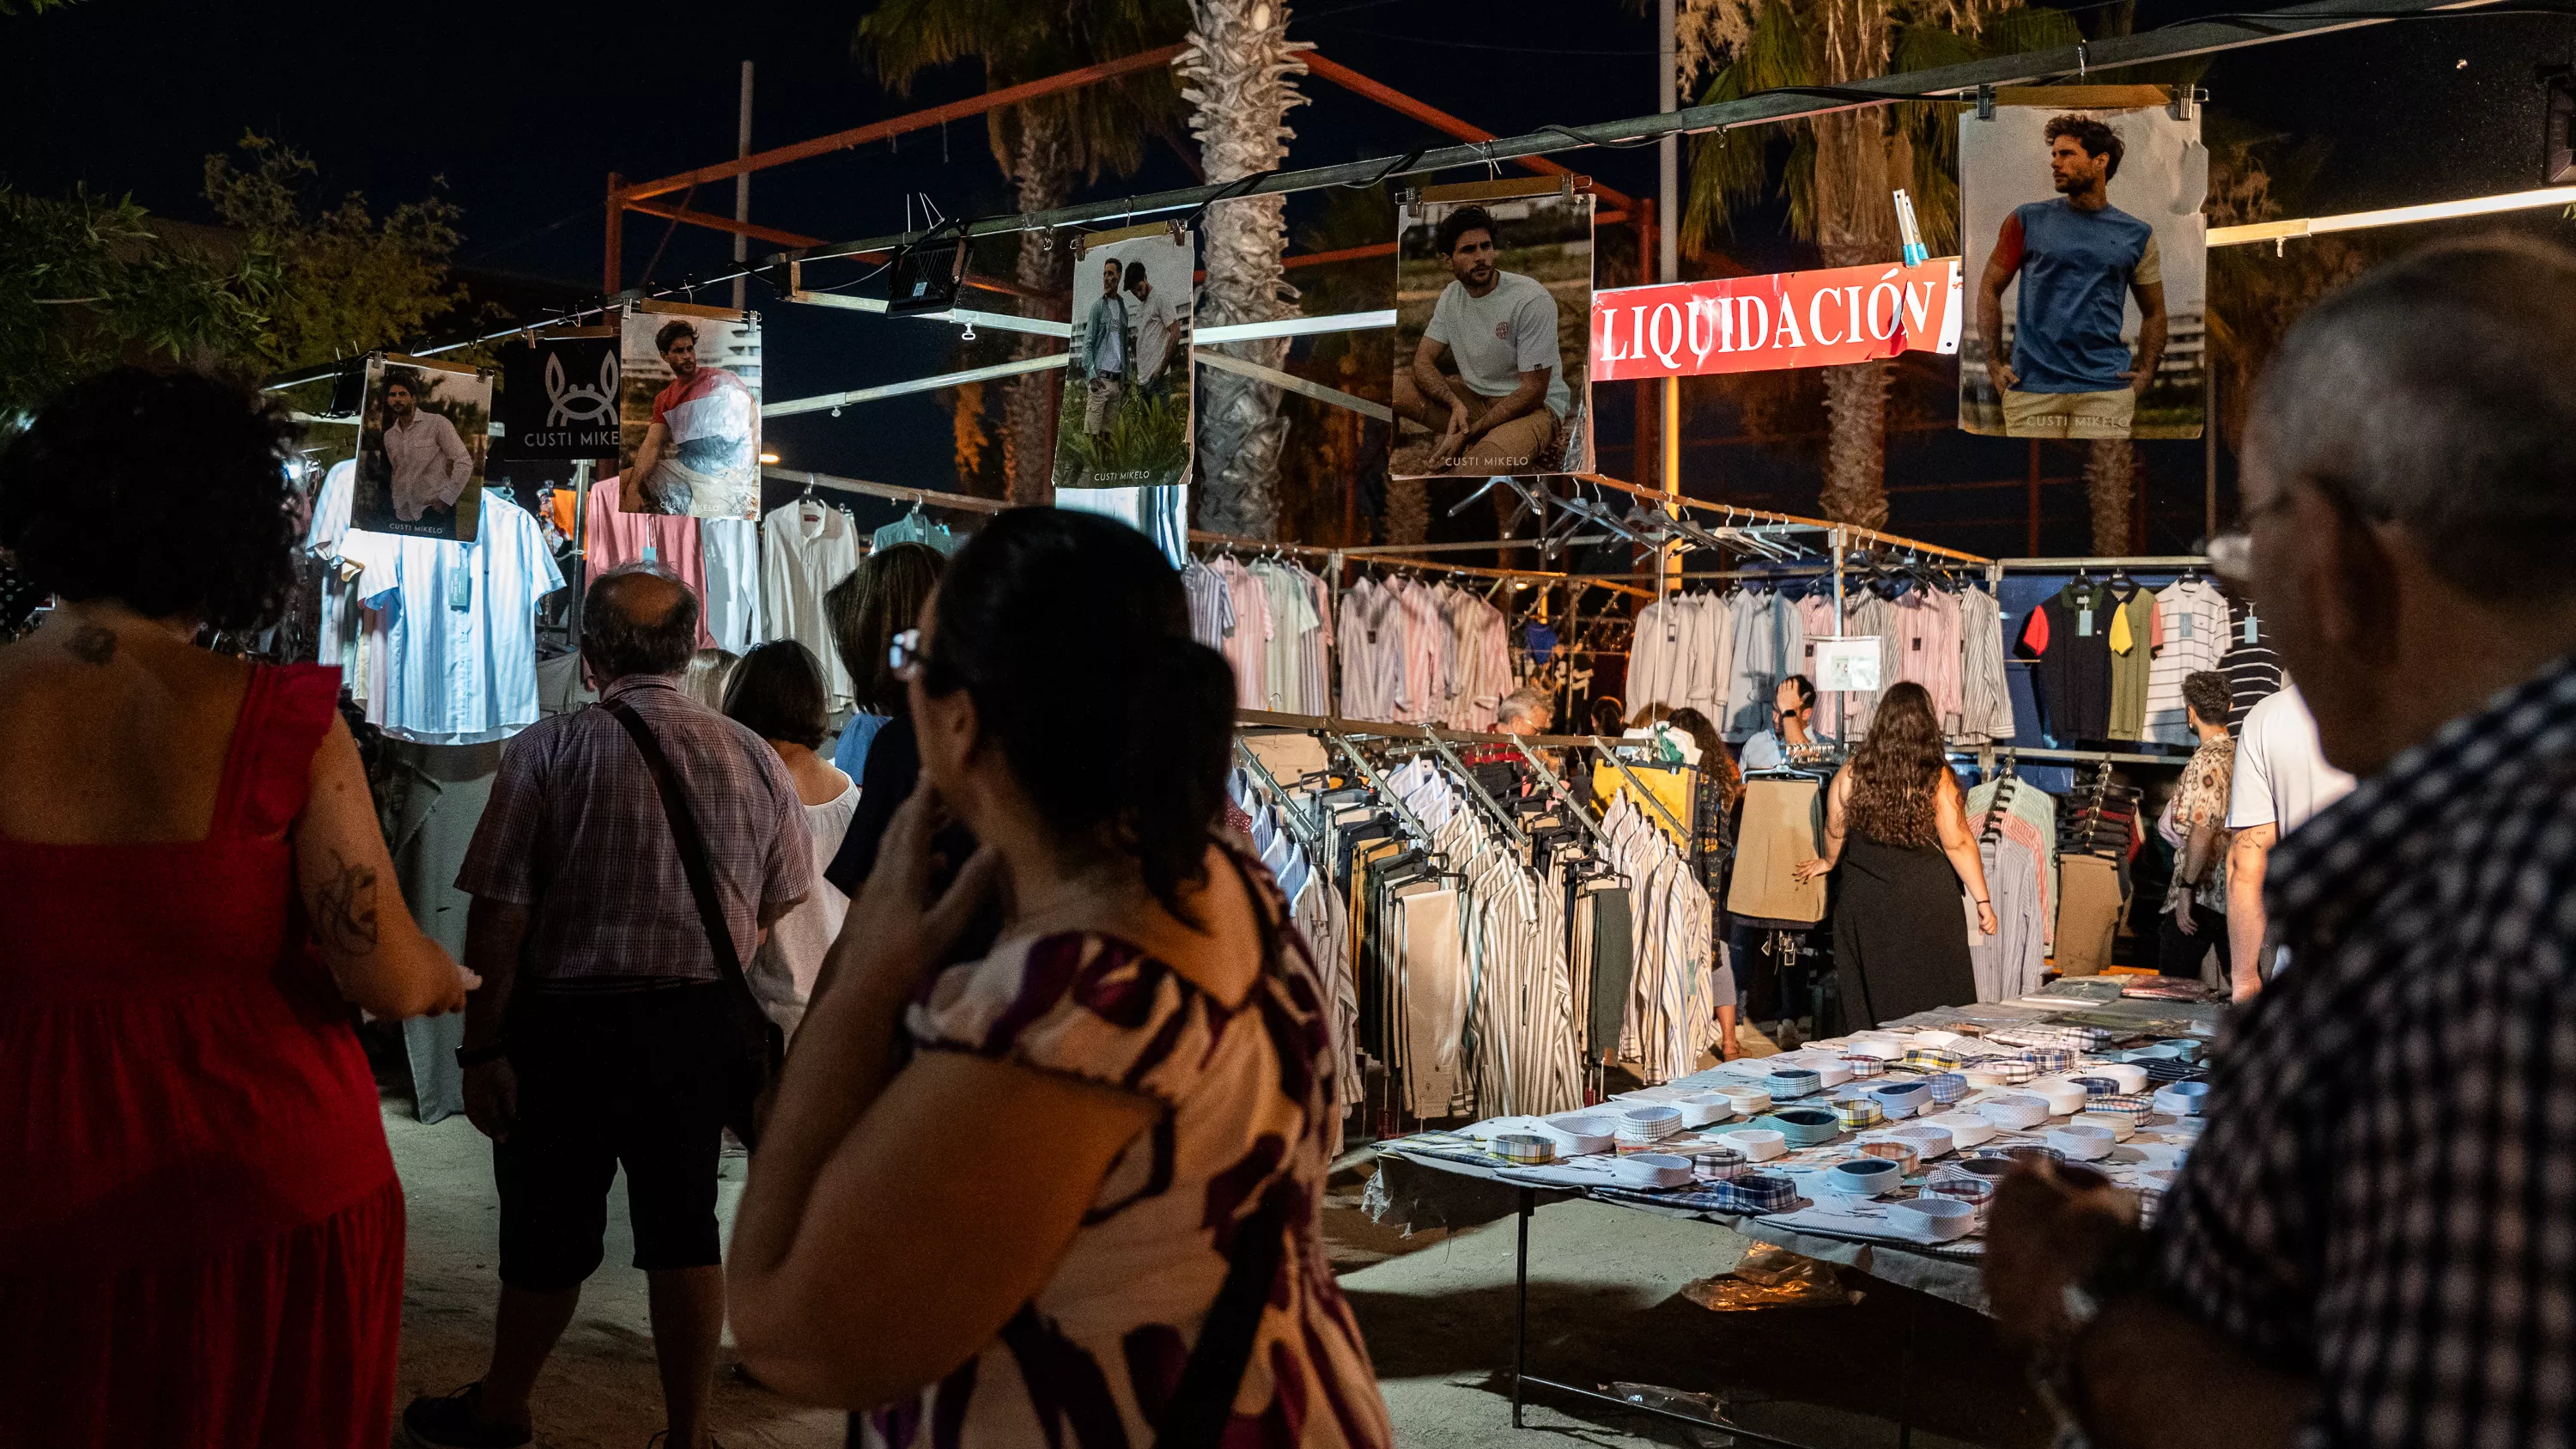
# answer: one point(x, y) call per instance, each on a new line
point(1526, 705)
point(2439, 394)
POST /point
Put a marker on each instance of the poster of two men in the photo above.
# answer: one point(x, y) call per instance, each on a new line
point(1125, 417)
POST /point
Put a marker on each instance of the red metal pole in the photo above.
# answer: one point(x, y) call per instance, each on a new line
point(616, 234)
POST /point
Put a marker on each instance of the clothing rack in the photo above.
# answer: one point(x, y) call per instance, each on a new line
point(1474, 791)
point(1383, 729)
point(1557, 791)
point(928, 497)
point(1289, 814)
point(1377, 784)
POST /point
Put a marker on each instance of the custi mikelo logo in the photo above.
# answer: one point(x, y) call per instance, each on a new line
point(568, 402)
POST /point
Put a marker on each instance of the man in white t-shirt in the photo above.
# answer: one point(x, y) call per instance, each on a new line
point(2282, 779)
point(1156, 324)
point(1503, 411)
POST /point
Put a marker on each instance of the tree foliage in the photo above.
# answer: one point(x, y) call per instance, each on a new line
point(87, 283)
point(353, 282)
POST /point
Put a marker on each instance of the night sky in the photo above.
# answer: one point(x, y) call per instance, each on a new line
point(523, 109)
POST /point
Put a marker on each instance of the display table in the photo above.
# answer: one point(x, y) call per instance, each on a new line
point(1458, 1177)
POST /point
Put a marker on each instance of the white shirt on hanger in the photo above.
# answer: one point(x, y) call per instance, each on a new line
point(731, 547)
point(460, 626)
point(806, 548)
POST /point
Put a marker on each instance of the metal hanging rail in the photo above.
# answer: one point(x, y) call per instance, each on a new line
point(1288, 815)
point(1950, 82)
point(1640, 787)
point(1377, 783)
point(1467, 783)
point(1564, 797)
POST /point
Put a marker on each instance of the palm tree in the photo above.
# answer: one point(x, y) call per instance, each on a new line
point(1237, 68)
point(1840, 169)
point(1043, 145)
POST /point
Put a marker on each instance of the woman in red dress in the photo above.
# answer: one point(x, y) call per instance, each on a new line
point(201, 1235)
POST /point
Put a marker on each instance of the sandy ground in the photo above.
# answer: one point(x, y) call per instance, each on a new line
point(1436, 1307)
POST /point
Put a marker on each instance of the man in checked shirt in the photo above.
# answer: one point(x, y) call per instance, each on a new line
point(2374, 1242)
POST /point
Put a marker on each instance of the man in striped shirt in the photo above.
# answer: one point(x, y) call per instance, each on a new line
point(2371, 1243)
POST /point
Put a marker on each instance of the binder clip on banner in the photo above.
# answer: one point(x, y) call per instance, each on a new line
point(1910, 231)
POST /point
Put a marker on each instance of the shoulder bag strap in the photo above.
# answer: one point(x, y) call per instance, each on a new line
point(693, 846)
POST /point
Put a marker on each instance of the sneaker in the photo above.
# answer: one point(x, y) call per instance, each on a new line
point(450, 1423)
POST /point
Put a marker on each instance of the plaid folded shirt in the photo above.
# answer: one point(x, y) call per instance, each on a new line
point(2385, 1197)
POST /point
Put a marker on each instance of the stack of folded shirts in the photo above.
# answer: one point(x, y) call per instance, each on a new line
point(1754, 1192)
point(1946, 1087)
point(1932, 1059)
point(1902, 1153)
point(1640, 1128)
point(1793, 1082)
point(1902, 1099)
point(1652, 1170)
point(1857, 1111)
point(1929, 1141)
point(1860, 1064)
point(1718, 1164)
point(2049, 1059)
point(1576, 1136)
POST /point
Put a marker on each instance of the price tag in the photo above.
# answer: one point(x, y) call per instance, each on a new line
point(1847, 664)
point(460, 589)
point(2182, 625)
point(2084, 623)
point(2252, 627)
point(652, 554)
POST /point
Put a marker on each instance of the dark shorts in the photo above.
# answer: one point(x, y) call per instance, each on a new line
point(632, 1079)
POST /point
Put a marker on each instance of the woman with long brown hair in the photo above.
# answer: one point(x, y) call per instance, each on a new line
point(1896, 824)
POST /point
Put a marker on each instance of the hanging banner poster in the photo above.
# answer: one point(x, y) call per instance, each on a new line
point(689, 411)
point(2087, 264)
point(1125, 418)
point(1786, 319)
point(558, 398)
point(422, 432)
point(1493, 296)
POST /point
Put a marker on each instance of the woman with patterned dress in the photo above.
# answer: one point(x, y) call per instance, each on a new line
point(201, 1235)
point(1065, 1194)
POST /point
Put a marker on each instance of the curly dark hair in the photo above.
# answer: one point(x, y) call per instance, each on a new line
point(166, 491)
point(1896, 772)
point(672, 331)
point(2094, 136)
point(2206, 691)
point(1072, 633)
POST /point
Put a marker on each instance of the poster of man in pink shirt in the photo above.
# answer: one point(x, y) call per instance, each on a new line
point(422, 432)
point(690, 411)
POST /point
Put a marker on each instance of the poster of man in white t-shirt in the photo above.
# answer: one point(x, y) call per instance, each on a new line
point(1492, 296)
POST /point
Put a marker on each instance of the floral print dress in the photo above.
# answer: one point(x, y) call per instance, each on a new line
point(1249, 1113)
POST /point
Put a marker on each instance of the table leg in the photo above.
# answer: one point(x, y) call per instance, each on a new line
point(1520, 1311)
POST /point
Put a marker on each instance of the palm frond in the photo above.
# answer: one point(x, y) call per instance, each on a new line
point(1730, 173)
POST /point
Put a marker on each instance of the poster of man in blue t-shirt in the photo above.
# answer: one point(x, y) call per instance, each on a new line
point(2068, 372)
point(2080, 216)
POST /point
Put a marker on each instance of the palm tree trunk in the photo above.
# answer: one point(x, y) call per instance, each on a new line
point(1042, 170)
point(1855, 486)
point(2110, 479)
point(1236, 69)
point(1856, 225)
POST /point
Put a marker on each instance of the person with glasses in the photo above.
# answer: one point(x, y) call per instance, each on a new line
point(2369, 1244)
point(1793, 711)
point(1148, 1025)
